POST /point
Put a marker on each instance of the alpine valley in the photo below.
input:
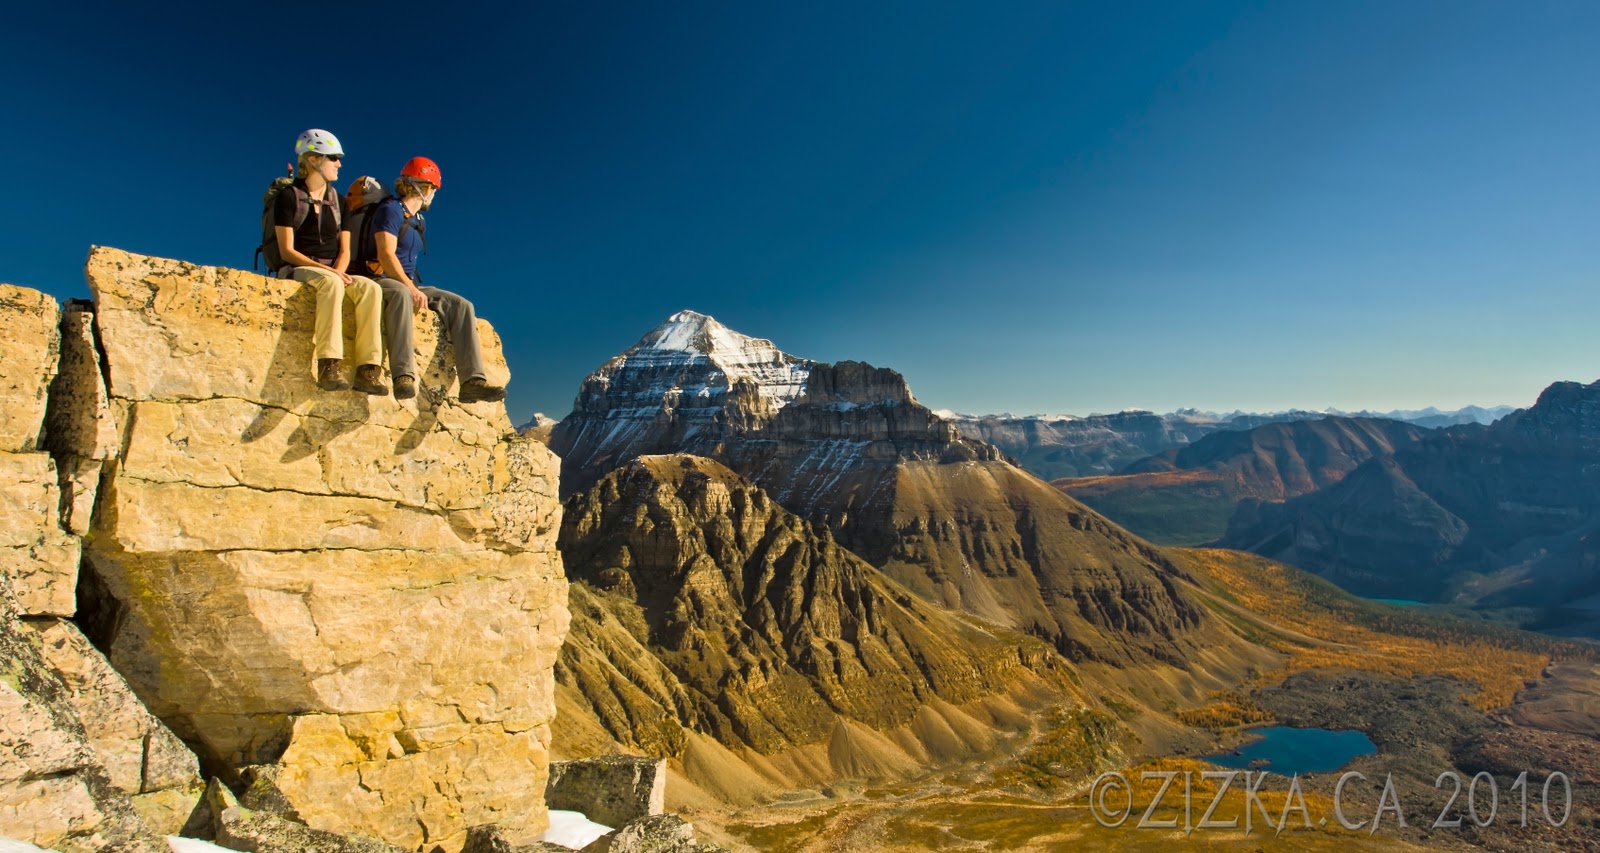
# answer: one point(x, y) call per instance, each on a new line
point(852, 623)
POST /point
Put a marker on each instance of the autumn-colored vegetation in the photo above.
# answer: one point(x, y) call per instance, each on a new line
point(1074, 744)
point(1166, 507)
point(1225, 711)
point(1104, 484)
point(1339, 630)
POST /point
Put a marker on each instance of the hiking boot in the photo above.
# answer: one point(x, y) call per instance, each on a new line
point(405, 387)
point(480, 391)
point(330, 375)
point(369, 380)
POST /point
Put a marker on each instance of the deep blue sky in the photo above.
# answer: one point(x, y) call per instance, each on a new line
point(1025, 207)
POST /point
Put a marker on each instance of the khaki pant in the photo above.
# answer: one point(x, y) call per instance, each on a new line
point(328, 340)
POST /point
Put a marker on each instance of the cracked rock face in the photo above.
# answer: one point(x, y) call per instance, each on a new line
point(364, 591)
point(83, 766)
point(81, 761)
point(36, 553)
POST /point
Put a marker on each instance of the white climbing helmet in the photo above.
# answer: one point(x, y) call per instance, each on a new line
point(318, 142)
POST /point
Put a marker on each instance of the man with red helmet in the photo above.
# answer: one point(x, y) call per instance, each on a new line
point(399, 237)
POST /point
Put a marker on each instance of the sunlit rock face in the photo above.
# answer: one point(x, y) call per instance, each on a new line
point(36, 553)
point(363, 591)
point(83, 765)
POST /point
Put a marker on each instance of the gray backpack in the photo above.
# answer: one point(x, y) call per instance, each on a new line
point(302, 208)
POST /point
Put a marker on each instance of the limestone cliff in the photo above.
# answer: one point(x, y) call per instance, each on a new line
point(36, 553)
point(362, 592)
point(83, 765)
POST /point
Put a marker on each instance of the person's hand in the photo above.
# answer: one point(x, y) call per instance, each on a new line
point(418, 300)
point(344, 277)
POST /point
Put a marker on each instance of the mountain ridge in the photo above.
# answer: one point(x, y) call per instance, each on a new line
point(1481, 514)
point(1054, 447)
point(768, 630)
point(1186, 496)
point(942, 514)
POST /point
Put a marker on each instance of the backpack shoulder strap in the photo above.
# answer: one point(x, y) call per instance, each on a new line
point(331, 199)
point(302, 206)
point(422, 229)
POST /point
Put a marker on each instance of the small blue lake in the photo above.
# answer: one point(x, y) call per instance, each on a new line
point(1399, 602)
point(1287, 750)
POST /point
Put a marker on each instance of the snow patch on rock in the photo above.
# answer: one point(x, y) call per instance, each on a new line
point(573, 829)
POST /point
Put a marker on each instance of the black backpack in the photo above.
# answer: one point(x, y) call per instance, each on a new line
point(302, 208)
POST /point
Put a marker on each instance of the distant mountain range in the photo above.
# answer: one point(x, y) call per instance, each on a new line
point(1057, 446)
point(1501, 517)
point(1187, 496)
point(1493, 516)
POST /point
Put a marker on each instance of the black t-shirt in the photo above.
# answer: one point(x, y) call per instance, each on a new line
point(318, 236)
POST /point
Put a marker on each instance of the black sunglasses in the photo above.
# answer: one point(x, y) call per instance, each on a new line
point(333, 157)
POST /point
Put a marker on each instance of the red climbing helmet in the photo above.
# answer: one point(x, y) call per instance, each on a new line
point(421, 169)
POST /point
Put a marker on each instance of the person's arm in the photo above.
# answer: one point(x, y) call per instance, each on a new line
point(342, 263)
point(387, 244)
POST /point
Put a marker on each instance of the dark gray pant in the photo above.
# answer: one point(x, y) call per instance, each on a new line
point(460, 323)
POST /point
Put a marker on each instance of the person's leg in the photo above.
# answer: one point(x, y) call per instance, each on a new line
point(461, 324)
point(367, 297)
point(327, 340)
point(397, 330)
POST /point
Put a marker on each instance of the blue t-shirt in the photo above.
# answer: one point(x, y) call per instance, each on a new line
point(389, 216)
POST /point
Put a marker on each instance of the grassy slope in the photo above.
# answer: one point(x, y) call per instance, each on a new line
point(1350, 632)
point(1167, 508)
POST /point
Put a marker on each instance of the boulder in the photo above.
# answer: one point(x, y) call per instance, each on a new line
point(489, 839)
point(239, 828)
point(362, 592)
point(56, 791)
point(612, 789)
point(658, 834)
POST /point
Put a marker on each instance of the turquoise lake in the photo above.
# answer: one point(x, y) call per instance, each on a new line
point(1287, 750)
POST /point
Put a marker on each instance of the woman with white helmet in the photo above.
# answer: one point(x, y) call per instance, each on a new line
point(308, 218)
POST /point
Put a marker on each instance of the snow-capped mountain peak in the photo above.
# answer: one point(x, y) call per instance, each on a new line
point(691, 331)
point(689, 338)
